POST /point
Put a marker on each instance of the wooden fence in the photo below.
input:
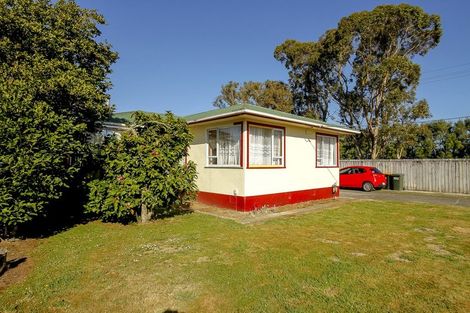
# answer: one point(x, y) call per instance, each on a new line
point(441, 175)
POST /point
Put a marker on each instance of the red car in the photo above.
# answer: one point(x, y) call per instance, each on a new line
point(366, 178)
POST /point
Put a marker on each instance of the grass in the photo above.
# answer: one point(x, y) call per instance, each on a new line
point(361, 257)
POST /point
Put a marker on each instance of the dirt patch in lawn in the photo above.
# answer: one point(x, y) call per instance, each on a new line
point(399, 256)
point(264, 214)
point(19, 260)
point(438, 249)
point(462, 230)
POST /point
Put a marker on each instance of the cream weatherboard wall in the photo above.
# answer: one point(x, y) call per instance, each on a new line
point(300, 172)
point(222, 180)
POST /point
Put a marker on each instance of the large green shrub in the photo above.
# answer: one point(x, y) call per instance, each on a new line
point(53, 90)
point(144, 172)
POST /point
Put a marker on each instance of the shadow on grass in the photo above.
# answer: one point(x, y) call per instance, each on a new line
point(12, 264)
point(15, 262)
point(173, 213)
point(68, 214)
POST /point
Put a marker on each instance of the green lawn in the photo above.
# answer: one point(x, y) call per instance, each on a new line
point(362, 257)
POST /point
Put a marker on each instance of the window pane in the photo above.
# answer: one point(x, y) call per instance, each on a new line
point(212, 138)
point(212, 160)
point(224, 146)
point(260, 146)
point(229, 146)
point(376, 171)
point(277, 142)
point(326, 151)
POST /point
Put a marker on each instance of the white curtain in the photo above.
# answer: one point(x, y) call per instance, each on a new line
point(277, 147)
point(327, 150)
point(260, 146)
point(229, 146)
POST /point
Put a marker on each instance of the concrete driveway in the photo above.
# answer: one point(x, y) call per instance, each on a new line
point(408, 196)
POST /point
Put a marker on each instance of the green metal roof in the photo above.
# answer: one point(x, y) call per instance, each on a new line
point(258, 109)
point(124, 117)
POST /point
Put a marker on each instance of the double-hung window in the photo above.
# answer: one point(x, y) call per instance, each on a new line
point(327, 151)
point(223, 146)
point(266, 146)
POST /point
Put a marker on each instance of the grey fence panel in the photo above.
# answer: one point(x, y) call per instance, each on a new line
point(438, 175)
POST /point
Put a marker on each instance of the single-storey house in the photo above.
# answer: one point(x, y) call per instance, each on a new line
point(249, 157)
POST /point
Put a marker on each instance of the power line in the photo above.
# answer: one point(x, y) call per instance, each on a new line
point(446, 68)
point(453, 73)
point(444, 119)
point(448, 78)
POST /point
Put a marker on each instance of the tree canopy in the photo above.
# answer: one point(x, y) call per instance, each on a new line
point(53, 90)
point(365, 67)
point(269, 94)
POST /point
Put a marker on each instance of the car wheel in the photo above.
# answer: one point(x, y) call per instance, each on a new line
point(367, 186)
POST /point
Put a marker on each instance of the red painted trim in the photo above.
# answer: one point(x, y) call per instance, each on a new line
point(241, 142)
point(221, 200)
point(248, 146)
point(251, 203)
point(316, 150)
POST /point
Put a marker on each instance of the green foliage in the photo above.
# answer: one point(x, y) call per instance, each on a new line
point(435, 140)
point(53, 84)
point(365, 67)
point(144, 169)
point(308, 77)
point(442, 140)
point(269, 94)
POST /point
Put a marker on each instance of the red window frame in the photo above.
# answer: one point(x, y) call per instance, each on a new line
point(316, 151)
point(248, 166)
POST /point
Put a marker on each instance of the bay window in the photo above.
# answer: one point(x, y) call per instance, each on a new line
point(266, 146)
point(223, 146)
point(327, 151)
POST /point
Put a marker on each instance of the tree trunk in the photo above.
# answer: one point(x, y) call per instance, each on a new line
point(3, 260)
point(374, 149)
point(145, 214)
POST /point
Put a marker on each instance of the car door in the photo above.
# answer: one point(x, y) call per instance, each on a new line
point(360, 177)
point(345, 178)
point(352, 178)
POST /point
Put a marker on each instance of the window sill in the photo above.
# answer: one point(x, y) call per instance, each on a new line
point(265, 166)
point(224, 166)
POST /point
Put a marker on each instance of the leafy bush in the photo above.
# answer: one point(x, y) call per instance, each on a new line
point(53, 90)
point(40, 155)
point(144, 171)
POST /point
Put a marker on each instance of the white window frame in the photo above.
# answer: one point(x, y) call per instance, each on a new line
point(318, 154)
point(218, 149)
point(281, 157)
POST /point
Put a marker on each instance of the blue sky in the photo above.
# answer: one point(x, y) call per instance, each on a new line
point(176, 54)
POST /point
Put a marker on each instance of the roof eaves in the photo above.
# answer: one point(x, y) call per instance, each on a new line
point(276, 116)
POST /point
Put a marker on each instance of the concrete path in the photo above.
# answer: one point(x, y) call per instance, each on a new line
point(263, 215)
point(408, 196)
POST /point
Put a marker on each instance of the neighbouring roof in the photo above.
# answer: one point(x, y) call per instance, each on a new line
point(263, 112)
point(124, 117)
